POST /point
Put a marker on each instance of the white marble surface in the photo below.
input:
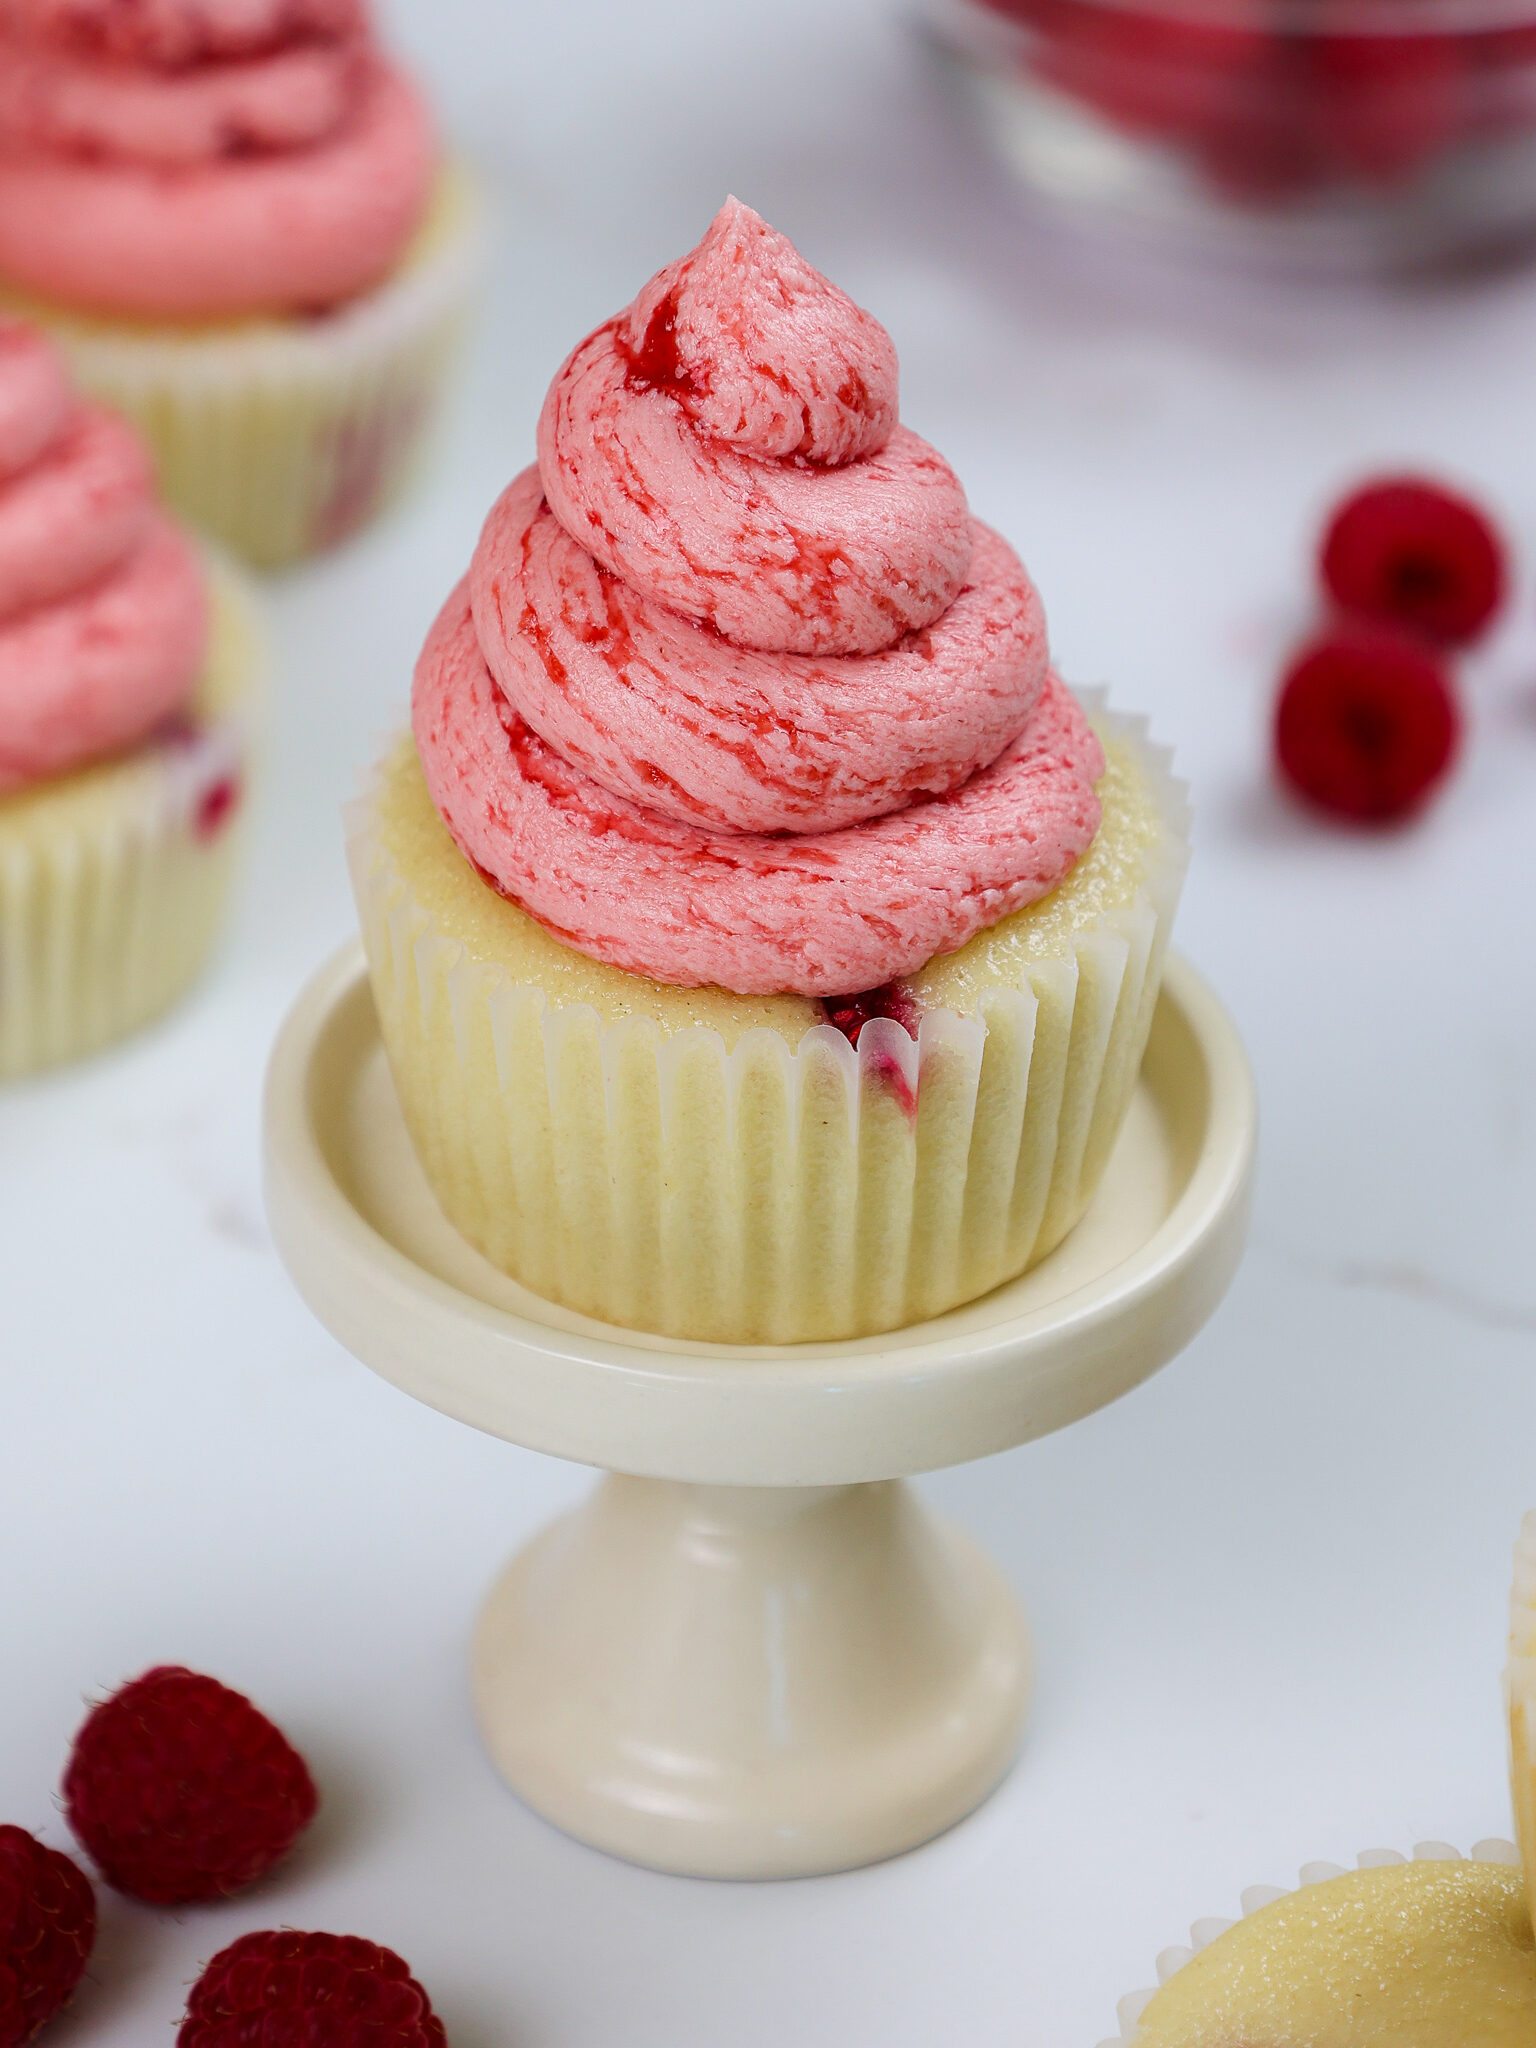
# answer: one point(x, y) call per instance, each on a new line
point(1268, 1588)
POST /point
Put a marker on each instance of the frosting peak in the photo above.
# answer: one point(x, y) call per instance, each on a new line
point(761, 350)
point(728, 447)
point(736, 691)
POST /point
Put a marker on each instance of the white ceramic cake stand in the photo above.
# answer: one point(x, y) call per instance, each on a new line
point(753, 1652)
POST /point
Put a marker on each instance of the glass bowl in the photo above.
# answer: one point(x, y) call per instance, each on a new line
point(1345, 133)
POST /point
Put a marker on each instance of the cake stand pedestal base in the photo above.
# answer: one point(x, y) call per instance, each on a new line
point(751, 1681)
point(753, 1653)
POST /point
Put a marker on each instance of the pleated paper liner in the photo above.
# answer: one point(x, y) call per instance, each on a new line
point(1139, 2019)
point(1520, 1686)
point(737, 1184)
point(113, 879)
point(279, 437)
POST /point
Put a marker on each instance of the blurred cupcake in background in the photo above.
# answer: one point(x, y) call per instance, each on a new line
point(126, 669)
point(235, 216)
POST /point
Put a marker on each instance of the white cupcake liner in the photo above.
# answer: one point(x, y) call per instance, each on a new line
point(768, 1193)
point(1520, 1697)
point(1203, 1932)
point(280, 437)
point(113, 879)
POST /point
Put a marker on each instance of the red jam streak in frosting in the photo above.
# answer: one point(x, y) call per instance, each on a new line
point(652, 364)
point(736, 692)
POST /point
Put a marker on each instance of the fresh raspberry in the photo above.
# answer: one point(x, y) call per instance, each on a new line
point(182, 1790)
point(1406, 550)
point(47, 1928)
point(284, 1989)
point(1366, 724)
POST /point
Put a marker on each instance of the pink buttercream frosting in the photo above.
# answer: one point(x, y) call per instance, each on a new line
point(103, 612)
point(736, 691)
point(203, 158)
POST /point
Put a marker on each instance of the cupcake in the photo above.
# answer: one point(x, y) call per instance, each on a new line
point(125, 668)
point(237, 221)
point(1520, 1688)
point(1439, 1952)
point(764, 938)
point(1432, 1953)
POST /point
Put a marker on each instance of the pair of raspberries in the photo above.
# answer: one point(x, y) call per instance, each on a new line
point(182, 1790)
point(1367, 721)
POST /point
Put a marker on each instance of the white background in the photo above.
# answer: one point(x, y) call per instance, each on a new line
point(1268, 1588)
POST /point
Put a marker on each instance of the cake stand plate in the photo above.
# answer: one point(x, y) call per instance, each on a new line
point(753, 1652)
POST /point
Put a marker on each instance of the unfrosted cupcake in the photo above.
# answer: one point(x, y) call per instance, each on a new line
point(235, 216)
point(1520, 1686)
point(124, 677)
point(1437, 1952)
point(764, 939)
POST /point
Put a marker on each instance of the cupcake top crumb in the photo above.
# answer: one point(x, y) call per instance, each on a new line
point(1410, 1955)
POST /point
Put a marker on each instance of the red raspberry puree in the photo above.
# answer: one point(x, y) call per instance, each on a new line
point(191, 159)
point(103, 613)
point(736, 692)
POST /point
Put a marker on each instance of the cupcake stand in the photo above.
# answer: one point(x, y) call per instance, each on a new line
point(753, 1652)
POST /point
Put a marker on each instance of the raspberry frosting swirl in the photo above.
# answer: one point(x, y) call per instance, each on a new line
point(203, 158)
point(103, 612)
point(177, 31)
point(729, 446)
point(736, 691)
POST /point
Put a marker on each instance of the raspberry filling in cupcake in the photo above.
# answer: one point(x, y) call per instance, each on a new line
point(103, 608)
point(199, 159)
point(736, 692)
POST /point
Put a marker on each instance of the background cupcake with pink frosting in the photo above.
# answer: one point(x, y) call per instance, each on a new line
point(764, 938)
point(127, 668)
point(238, 221)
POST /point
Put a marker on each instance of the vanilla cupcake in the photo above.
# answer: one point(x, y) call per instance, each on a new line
point(124, 679)
point(764, 939)
point(1520, 1688)
point(236, 219)
point(1436, 1952)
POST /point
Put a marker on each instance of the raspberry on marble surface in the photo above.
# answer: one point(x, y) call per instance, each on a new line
point(182, 1790)
point(1406, 551)
point(47, 1930)
point(1366, 724)
point(282, 1988)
